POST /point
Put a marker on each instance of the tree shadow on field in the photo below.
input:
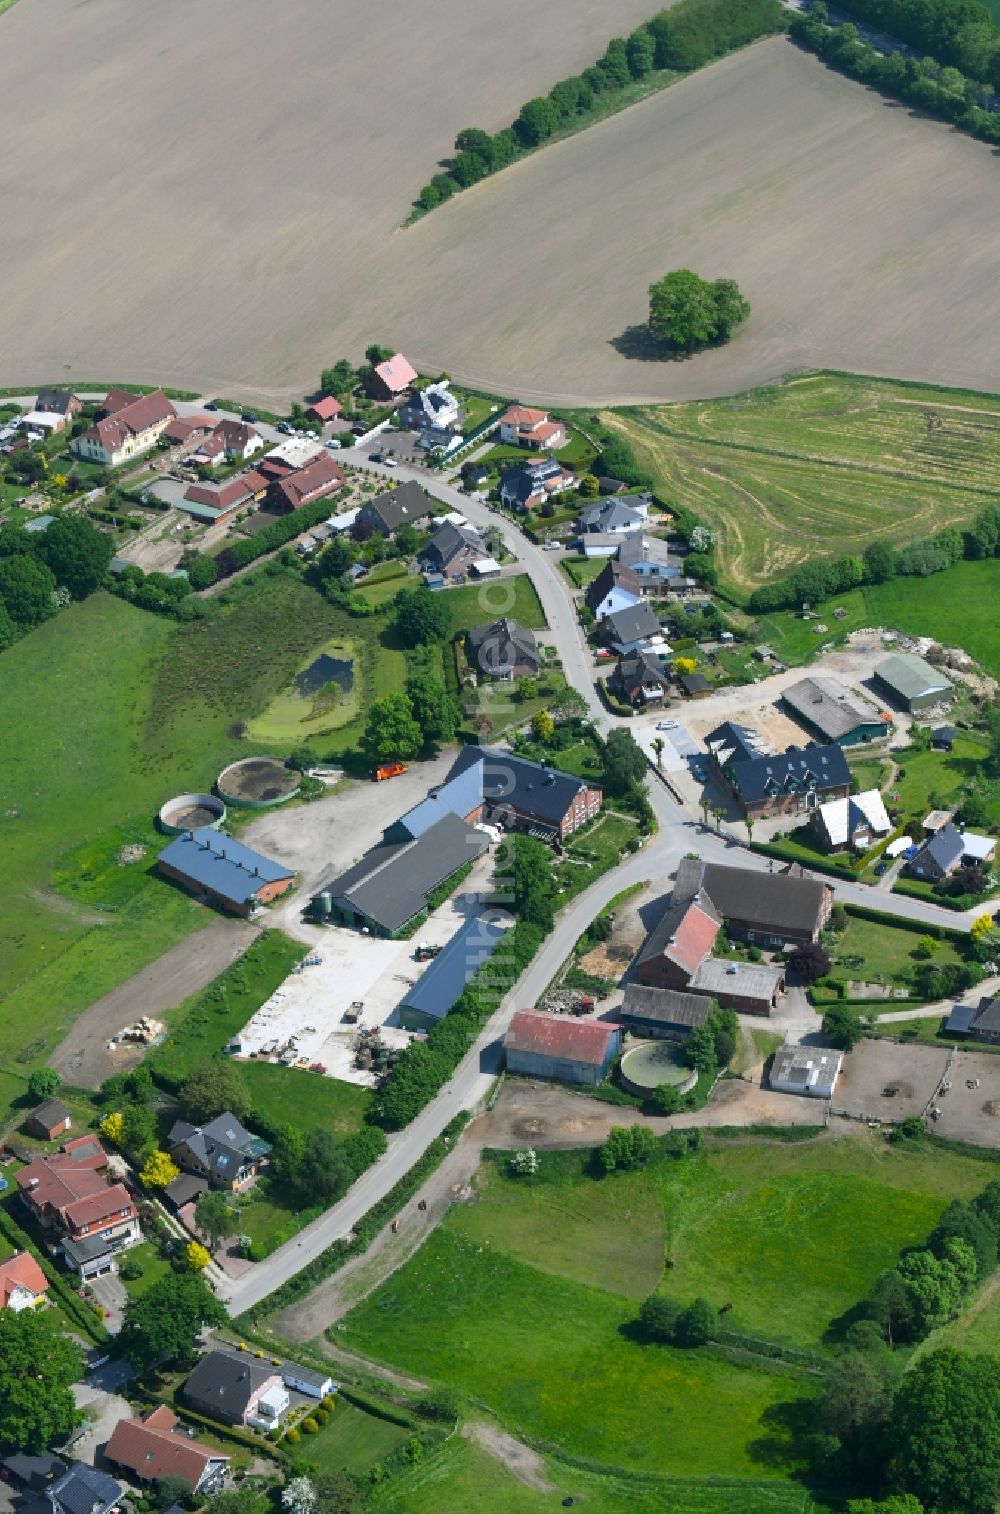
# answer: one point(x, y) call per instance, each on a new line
point(790, 1443)
point(638, 344)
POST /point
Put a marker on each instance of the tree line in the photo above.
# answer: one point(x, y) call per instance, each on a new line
point(940, 89)
point(879, 563)
point(956, 32)
point(42, 571)
point(684, 38)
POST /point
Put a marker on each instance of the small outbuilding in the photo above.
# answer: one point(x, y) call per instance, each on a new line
point(809, 1070)
point(541, 1045)
point(48, 1120)
point(223, 872)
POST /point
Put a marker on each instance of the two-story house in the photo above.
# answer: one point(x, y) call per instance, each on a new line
point(223, 1151)
point(521, 427)
point(81, 1214)
point(130, 425)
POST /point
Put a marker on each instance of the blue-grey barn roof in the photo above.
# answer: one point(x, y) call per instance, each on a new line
point(436, 990)
point(227, 867)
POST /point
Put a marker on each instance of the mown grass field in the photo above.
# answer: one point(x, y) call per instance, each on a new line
point(462, 1478)
point(820, 466)
point(885, 951)
point(353, 1440)
point(956, 607)
point(554, 1359)
point(526, 1298)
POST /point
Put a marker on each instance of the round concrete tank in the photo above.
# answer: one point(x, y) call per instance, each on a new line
point(255, 783)
point(650, 1064)
point(191, 812)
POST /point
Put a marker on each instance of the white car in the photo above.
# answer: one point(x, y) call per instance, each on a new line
point(667, 725)
point(389, 462)
point(551, 546)
point(334, 445)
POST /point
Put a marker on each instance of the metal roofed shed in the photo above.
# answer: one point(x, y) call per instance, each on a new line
point(438, 987)
point(834, 712)
point(223, 870)
point(541, 1045)
point(388, 887)
point(810, 1070)
point(912, 682)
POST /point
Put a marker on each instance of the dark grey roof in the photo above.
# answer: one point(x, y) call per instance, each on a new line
point(81, 1490)
point(664, 1006)
point(34, 1470)
point(988, 1014)
point(731, 742)
point(449, 540)
point(221, 1385)
point(185, 1188)
point(943, 733)
point(946, 847)
point(519, 484)
point(793, 772)
point(694, 683)
point(85, 1249)
point(50, 1112)
point(503, 644)
point(632, 624)
point(775, 901)
point(55, 401)
point(437, 988)
point(529, 786)
point(219, 863)
point(829, 707)
point(613, 575)
point(636, 667)
point(391, 509)
point(391, 882)
point(612, 514)
point(639, 548)
point(223, 1145)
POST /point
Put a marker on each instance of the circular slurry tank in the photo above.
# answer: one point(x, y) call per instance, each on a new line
point(191, 812)
point(254, 783)
point(650, 1064)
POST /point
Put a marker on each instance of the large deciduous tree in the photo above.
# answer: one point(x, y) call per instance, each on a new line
point(211, 1088)
point(37, 1366)
point(26, 588)
point(162, 1325)
point(76, 553)
point(687, 312)
point(420, 616)
point(944, 1432)
point(623, 762)
point(391, 732)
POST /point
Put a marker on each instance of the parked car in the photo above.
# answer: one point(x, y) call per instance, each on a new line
point(551, 546)
point(700, 771)
point(334, 445)
point(390, 462)
point(667, 725)
point(285, 427)
point(249, 417)
point(211, 404)
point(376, 457)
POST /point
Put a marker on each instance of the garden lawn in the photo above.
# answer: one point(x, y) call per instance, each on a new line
point(352, 1440)
point(883, 952)
point(554, 1360)
point(154, 1268)
point(931, 780)
point(607, 840)
point(781, 472)
point(582, 571)
point(464, 1479)
point(476, 604)
point(305, 1099)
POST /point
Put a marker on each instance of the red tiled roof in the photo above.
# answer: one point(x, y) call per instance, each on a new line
point(326, 408)
point(184, 427)
point(559, 1036)
point(520, 415)
point(235, 434)
point(150, 1449)
point(396, 373)
point(694, 937)
point(20, 1271)
point(98, 1206)
point(321, 476)
point(130, 416)
point(56, 1182)
point(220, 496)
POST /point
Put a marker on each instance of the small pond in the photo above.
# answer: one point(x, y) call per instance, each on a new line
point(324, 670)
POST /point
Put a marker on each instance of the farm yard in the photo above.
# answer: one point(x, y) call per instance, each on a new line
point(777, 172)
point(783, 474)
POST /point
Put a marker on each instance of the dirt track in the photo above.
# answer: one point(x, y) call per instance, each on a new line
point(83, 1057)
point(207, 225)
